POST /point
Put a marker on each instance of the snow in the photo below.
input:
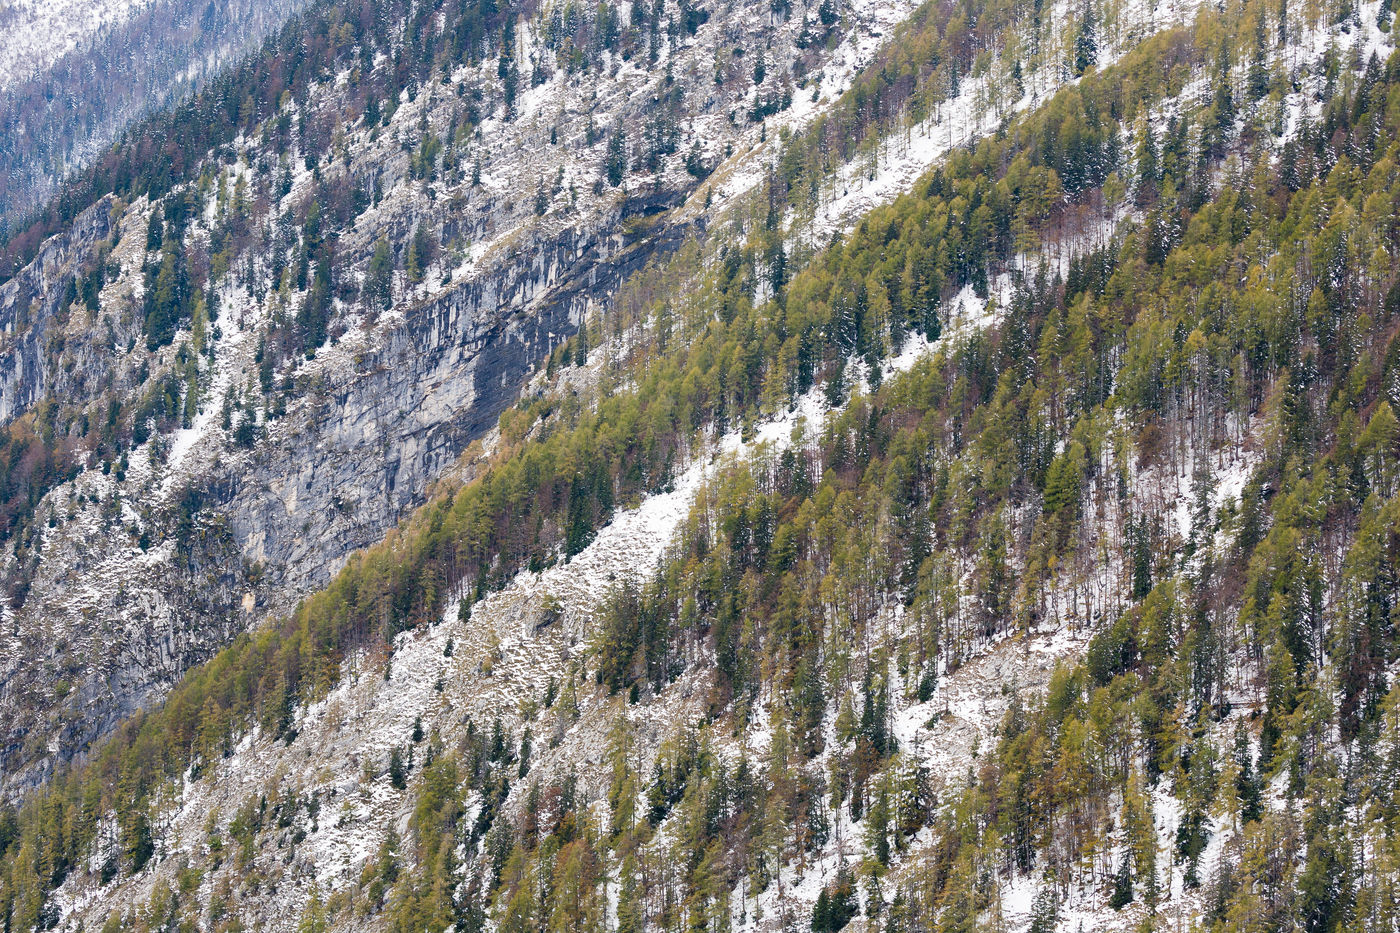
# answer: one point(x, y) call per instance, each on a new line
point(501, 658)
point(205, 429)
point(901, 159)
point(497, 228)
point(632, 545)
point(1361, 36)
point(968, 704)
point(871, 23)
point(968, 313)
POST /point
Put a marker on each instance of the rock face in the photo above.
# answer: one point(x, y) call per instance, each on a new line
point(109, 621)
point(371, 438)
point(377, 426)
point(31, 304)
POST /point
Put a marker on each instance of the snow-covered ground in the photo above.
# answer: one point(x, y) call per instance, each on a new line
point(497, 229)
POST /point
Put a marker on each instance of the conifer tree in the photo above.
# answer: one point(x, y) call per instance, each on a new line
point(378, 290)
point(1086, 42)
point(615, 162)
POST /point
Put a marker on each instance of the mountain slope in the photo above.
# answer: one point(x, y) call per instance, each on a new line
point(255, 362)
point(1018, 559)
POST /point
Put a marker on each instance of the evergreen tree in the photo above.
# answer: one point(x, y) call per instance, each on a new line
point(398, 774)
point(1122, 894)
point(1086, 43)
point(422, 252)
point(167, 296)
point(615, 162)
point(378, 291)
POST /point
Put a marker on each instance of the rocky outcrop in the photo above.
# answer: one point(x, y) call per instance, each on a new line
point(247, 535)
point(31, 304)
point(369, 440)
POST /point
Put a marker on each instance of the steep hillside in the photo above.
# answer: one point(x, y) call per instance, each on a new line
point(1011, 553)
point(232, 370)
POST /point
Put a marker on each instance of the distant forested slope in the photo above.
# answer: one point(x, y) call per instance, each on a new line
point(58, 119)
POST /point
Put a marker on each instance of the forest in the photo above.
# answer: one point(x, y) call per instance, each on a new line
point(1240, 666)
